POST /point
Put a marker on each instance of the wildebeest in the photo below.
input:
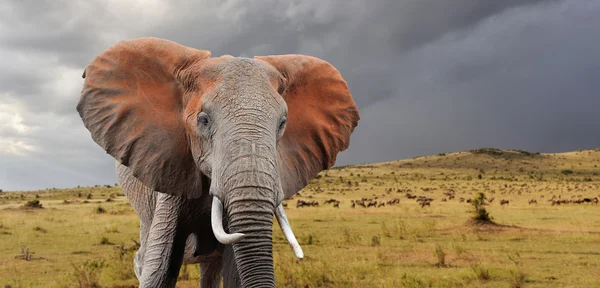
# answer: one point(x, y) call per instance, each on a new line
point(330, 201)
point(302, 203)
point(393, 201)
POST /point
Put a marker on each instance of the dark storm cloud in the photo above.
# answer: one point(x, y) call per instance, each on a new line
point(522, 79)
point(429, 19)
point(428, 76)
point(365, 42)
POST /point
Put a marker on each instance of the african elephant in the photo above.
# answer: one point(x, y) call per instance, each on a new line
point(201, 151)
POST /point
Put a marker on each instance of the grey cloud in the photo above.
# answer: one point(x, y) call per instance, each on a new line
point(523, 79)
point(425, 21)
point(66, 30)
point(428, 76)
point(365, 42)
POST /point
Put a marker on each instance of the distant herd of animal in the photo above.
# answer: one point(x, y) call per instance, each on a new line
point(426, 201)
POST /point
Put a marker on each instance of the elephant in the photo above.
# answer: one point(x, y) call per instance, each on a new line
point(207, 148)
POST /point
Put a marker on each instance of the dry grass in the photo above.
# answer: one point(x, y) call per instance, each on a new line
point(76, 244)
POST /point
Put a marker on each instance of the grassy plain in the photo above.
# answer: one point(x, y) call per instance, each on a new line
point(77, 240)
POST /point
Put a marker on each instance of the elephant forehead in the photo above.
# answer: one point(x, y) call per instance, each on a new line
point(235, 68)
point(243, 83)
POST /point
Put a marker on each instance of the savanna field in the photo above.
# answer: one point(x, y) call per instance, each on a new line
point(423, 235)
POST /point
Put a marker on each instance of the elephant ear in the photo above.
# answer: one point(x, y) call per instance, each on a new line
point(133, 100)
point(321, 117)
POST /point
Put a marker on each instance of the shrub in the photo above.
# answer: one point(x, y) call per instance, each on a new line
point(481, 273)
point(440, 255)
point(33, 204)
point(86, 274)
point(350, 237)
point(104, 241)
point(518, 277)
point(566, 172)
point(120, 263)
point(480, 214)
point(39, 229)
point(459, 250)
point(375, 241)
point(411, 281)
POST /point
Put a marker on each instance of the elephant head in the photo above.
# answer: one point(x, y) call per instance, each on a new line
point(258, 129)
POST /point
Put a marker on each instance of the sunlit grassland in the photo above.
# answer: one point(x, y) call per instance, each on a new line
point(76, 244)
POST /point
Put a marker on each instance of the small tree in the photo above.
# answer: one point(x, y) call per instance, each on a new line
point(480, 214)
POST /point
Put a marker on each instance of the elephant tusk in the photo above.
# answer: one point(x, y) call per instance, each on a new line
point(216, 221)
point(287, 231)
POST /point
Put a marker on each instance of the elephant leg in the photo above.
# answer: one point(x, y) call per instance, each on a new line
point(165, 244)
point(138, 260)
point(231, 277)
point(210, 271)
point(143, 202)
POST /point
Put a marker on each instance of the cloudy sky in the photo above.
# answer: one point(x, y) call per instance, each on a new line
point(428, 76)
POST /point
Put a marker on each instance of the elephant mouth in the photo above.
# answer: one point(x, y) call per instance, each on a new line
point(216, 219)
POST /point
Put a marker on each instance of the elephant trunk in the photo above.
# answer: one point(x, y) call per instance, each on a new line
point(247, 190)
point(253, 253)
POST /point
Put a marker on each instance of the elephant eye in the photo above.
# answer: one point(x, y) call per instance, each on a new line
point(282, 123)
point(203, 119)
point(280, 89)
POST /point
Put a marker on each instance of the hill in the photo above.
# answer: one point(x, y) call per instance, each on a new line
point(547, 233)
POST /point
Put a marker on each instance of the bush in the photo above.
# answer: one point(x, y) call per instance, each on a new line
point(33, 204)
point(86, 274)
point(518, 277)
point(481, 273)
point(120, 266)
point(39, 229)
point(411, 281)
point(566, 172)
point(480, 214)
point(375, 241)
point(104, 241)
point(440, 255)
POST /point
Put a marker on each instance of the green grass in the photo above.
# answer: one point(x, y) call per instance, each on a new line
point(77, 244)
